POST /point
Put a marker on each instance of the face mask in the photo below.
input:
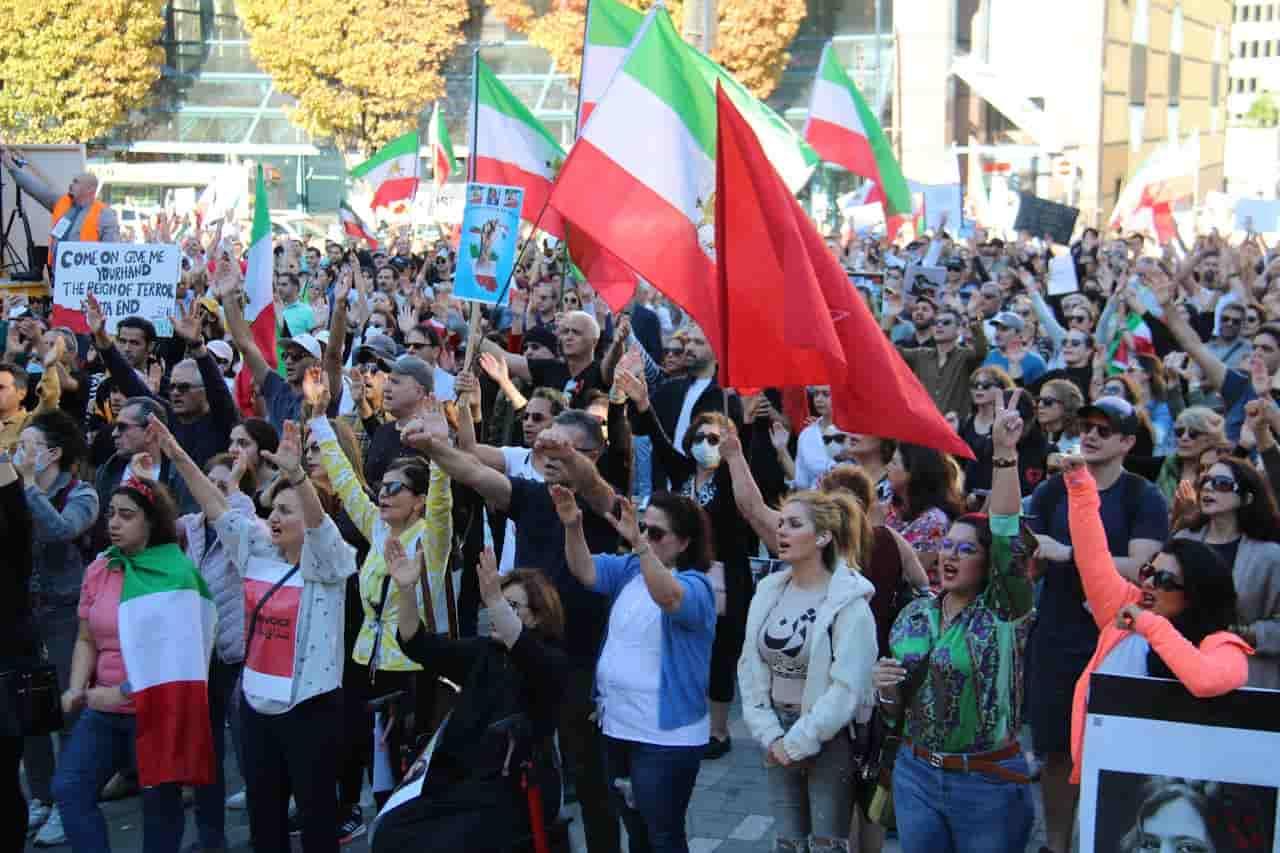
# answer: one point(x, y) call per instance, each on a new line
point(705, 454)
point(42, 462)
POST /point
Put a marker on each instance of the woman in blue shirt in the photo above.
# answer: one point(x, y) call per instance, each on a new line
point(654, 668)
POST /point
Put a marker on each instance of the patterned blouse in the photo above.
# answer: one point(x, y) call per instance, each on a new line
point(972, 695)
point(924, 533)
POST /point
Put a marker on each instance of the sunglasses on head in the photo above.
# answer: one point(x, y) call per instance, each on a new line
point(710, 438)
point(960, 549)
point(1187, 432)
point(1160, 579)
point(1219, 483)
point(835, 438)
point(652, 532)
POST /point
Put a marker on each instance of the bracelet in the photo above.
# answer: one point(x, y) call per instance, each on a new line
point(1009, 462)
point(884, 699)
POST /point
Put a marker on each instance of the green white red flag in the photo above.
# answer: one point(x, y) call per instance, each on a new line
point(354, 226)
point(393, 171)
point(442, 157)
point(843, 129)
point(259, 307)
point(166, 622)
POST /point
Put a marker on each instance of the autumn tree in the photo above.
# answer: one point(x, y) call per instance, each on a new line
point(73, 70)
point(361, 70)
point(751, 41)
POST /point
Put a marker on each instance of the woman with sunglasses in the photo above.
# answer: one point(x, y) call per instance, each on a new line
point(1073, 364)
point(1175, 624)
point(1238, 519)
point(1196, 430)
point(991, 388)
point(1057, 405)
point(414, 506)
point(653, 671)
point(955, 669)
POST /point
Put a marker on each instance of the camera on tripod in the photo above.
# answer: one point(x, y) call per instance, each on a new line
point(12, 261)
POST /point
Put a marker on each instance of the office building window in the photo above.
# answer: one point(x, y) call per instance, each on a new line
point(1253, 84)
point(1266, 48)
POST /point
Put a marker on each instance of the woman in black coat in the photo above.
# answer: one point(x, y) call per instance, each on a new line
point(472, 798)
point(17, 644)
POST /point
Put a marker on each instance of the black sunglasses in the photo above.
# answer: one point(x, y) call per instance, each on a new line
point(835, 438)
point(1220, 483)
point(1104, 431)
point(1160, 579)
point(393, 488)
point(184, 387)
point(1187, 432)
point(984, 386)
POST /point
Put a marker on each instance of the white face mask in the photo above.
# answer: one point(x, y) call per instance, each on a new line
point(706, 454)
point(835, 448)
point(42, 459)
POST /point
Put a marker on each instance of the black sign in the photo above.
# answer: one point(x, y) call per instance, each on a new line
point(1042, 217)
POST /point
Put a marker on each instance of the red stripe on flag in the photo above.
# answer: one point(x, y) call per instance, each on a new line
point(353, 229)
point(536, 190)
point(609, 277)
point(644, 231)
point(72, 319)
point(264, 335)
point(394, 190)
point(442, 167)
point(174, 738)
point(587, 108)
point(837, 144)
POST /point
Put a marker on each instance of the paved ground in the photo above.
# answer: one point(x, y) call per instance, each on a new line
point(729, 813)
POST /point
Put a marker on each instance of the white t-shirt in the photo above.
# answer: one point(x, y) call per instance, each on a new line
point(1127, 657)
point(630, 671)
point(812, 460)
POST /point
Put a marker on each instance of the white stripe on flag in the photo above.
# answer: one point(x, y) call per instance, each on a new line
point(599, 64)
point(165, 644)
point(832, 103)
point(510, 140)
point(647, 138)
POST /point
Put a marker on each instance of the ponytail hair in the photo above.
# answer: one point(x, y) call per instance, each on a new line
point(840, 515)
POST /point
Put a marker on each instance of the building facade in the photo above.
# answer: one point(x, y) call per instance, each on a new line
point(1255, 56)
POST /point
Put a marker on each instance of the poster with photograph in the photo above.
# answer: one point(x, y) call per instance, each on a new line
point(490, 231)
point(920, 279)
point(1164, 770)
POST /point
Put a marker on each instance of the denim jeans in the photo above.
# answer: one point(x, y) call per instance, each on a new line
point(100, 744)
point(211, 800)
point(662, 780)
point(944, 811)
point(812, 798)
point(642, 466)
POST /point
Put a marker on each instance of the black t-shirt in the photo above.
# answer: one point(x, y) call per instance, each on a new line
point(1227, 551)
point(1132, 508)
point(540, 545)
point(385, 447)
point(554, 373)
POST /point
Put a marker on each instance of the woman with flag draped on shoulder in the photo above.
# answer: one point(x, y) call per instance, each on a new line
point(139, 670)
point(295, 583)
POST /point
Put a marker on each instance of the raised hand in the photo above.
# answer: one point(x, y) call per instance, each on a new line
point(1006, 431)
point(288, 455)
point(355, 385)
point(342, 287)
point(404, 570)
point(53, 353)
point(626, 523)
point(634, 386)
point(495, 368)
point(467, 387)
point(730, 444)
point(315, 390)
point(566, 507)
point(1259, 375)
point(227, 278)
point(487, 575)
point(186, 325)
point(94, 316)
point(155, 375)
point(779, 435)
point(622, 331)
point(159, 436)
point(144, 466)
point(407, 318)
point(428, 427)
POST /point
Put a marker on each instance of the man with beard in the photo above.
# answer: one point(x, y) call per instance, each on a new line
point(920, 332)
point(944, 368)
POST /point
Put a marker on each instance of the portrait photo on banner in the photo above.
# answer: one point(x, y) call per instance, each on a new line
point(1164, 770)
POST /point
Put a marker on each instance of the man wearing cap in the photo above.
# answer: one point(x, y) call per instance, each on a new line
point(1136, 519)
point(1011, 354)
point(409, 382)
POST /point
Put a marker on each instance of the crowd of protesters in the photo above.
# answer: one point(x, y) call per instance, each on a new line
point(554, 513)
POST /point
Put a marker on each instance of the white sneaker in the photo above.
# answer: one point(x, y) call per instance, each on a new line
point(37, 814)
point(238, 801)
point(51, 834)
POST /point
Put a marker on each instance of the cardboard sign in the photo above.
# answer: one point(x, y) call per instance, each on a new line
point(1160, 762)
point(129, 280)
point(1062, 275)
point(1042, 217)
point(487, 255)
point(1261, 217)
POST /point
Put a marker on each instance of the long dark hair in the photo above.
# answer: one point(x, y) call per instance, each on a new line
point(61, 431)
point(157, 504)
point(1210, 591)
point(1257, 515)
point(688, 521)
point(932, 482)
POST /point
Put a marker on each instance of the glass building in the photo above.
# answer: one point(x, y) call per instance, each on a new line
point(214, 106)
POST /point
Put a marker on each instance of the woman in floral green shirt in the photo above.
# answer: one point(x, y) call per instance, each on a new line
point(960, 780)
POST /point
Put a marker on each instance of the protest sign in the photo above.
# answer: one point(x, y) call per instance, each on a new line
point(1261, 217)
point(490, 228)
point(1062, 275)
point(941, 201)
point(128, 279)
point(1042, 217)
point(919, 278)
point(1149, 743)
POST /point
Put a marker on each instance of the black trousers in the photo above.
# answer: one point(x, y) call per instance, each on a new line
point(293, 752)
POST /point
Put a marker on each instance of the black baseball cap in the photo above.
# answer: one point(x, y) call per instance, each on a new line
point(1117, 411)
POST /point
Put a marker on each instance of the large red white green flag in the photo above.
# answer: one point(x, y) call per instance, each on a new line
point(259, 291)
point(843, 129)
point(512, 147)
point(392, 171)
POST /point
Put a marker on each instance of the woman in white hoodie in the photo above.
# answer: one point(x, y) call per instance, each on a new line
point(805, 670)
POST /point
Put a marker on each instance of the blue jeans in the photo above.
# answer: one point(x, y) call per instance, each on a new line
point(662, 780)
point(211, 800)
point(101, 744)
point(945, 811)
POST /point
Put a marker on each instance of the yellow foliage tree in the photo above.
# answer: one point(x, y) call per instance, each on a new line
point(751, 42)
point(72, 69)
point(361, 70)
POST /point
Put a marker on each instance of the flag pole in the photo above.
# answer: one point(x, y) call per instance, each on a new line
point(506, 284)
point(586, 29)
point(475, 113)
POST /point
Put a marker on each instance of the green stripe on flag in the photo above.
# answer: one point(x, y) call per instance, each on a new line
point(399, 147)
point(493, 94)
point(163, 568)
point(261, 211)
point(661, 63)
point(612, 24)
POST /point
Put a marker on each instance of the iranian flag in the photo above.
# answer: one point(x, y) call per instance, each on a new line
point(392, 170)
point(1130, 340)
point(166, 623)
point(442, 158)
point(641, 179)
point(354, 226)
point(612, 27)
point(259, 308)
point(843, 130)
point(512, 148)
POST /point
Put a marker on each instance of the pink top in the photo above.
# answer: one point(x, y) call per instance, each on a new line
point(100, 605)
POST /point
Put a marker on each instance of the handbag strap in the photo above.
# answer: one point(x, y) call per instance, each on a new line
point(253, 619)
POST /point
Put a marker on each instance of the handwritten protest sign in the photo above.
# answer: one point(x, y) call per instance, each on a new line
point(1041, 217)
point(128, 279)
point(487, 254)
point(1062, 275)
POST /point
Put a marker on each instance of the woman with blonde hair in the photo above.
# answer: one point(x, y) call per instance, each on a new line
point(1196, 430)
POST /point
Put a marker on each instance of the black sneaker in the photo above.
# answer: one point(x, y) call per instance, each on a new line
point(717, 748)
point(351, 828)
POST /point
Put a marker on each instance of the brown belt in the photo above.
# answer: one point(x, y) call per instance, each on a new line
point(975, 762)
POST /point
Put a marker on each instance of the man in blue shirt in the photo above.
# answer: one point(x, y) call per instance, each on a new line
point(1011, 353)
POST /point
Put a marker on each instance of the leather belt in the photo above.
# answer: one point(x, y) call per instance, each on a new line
point(975, 762)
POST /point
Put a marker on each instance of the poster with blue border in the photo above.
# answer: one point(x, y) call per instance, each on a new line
point(487, 249)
